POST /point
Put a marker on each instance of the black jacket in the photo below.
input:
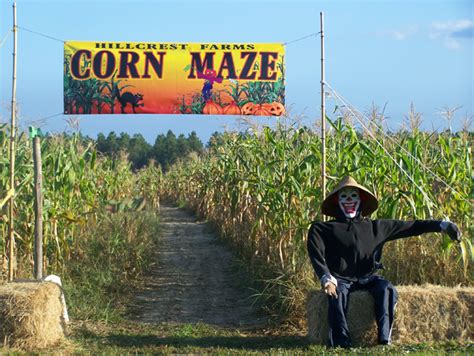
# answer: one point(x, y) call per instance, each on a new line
point(352, 248)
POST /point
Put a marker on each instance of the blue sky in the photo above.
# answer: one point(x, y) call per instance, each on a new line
point(391, 53)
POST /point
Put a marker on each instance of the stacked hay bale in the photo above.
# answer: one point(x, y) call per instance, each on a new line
point(30, 315)
point(423, 314)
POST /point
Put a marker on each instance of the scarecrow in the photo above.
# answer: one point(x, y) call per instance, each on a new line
point(210, 77)
point(346, 252)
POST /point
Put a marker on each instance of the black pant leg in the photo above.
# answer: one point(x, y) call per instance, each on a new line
point(337, 312)
point(385, 297)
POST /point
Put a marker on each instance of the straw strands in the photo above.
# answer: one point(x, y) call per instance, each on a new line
point(31, 315)
point(424, 313)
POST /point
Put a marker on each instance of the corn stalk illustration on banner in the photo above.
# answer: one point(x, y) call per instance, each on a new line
point(174, 78)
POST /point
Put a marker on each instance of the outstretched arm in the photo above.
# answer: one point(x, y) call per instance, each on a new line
point(397, 229)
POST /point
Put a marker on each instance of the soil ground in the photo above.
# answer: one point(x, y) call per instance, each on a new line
point(195, 279)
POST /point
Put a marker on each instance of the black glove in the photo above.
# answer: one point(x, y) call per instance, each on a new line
point(452, 230)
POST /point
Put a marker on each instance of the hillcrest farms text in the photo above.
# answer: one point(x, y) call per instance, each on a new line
point(149, 61)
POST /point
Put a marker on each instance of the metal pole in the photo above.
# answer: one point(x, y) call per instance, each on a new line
point(38, 209)
point(323, 112)
point(11, 227)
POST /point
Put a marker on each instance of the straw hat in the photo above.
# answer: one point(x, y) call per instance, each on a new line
point(368, 202)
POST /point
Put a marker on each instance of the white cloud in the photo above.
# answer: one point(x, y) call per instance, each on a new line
point(451, 26)
point(449, 32)
point(401, 34)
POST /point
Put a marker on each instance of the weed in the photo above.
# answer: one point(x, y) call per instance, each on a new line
point(108, 260)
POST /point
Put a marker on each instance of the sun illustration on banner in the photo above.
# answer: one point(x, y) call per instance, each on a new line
point(170, 78)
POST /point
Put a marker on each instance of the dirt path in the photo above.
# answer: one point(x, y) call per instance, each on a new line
point(195, 279)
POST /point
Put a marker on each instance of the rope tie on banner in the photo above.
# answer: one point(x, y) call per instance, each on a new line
point(49, 117)
point(62, 41)
point(302, 38)
point(41, 121)
point(41, 34)
point(353, 111)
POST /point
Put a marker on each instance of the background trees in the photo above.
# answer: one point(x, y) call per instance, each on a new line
point(166, 150)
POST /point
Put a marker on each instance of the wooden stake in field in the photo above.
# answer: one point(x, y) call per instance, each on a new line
point(323, 113)
point(11, 227)
point(38, 255)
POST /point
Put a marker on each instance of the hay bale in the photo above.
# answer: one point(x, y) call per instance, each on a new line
point(423, 314)
point(30, 315)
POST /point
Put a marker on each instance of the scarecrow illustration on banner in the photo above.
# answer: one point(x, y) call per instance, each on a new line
point(346, 253)
point(210, 77)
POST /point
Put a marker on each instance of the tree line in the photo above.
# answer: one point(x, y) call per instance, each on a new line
point(166, 150)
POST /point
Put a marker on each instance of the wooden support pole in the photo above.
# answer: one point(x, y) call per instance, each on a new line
point(38, 209)
point(11, 226)
point(323, 113)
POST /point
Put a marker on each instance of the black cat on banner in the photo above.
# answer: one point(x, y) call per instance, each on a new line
point(128, 98)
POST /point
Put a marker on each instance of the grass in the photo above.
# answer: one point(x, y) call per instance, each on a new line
point(130, 337)
point(107, 264)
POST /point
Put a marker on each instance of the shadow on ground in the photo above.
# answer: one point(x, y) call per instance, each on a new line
point(232, 342)
point(204, 339)
point(179, 338)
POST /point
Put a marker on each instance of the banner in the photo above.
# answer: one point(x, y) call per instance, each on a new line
point(174, 78)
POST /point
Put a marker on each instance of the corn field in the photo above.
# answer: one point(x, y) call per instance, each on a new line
point(262, 189)
point(77, 185)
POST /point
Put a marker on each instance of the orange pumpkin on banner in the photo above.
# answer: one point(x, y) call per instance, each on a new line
point(232, 109)
point(262, 111)
point(277, 108)
point(249, 108)
point(212, 108)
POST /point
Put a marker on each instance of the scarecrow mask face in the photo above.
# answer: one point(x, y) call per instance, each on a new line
point(349, 201)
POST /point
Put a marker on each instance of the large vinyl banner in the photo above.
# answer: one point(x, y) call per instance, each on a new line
point(174, 78)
